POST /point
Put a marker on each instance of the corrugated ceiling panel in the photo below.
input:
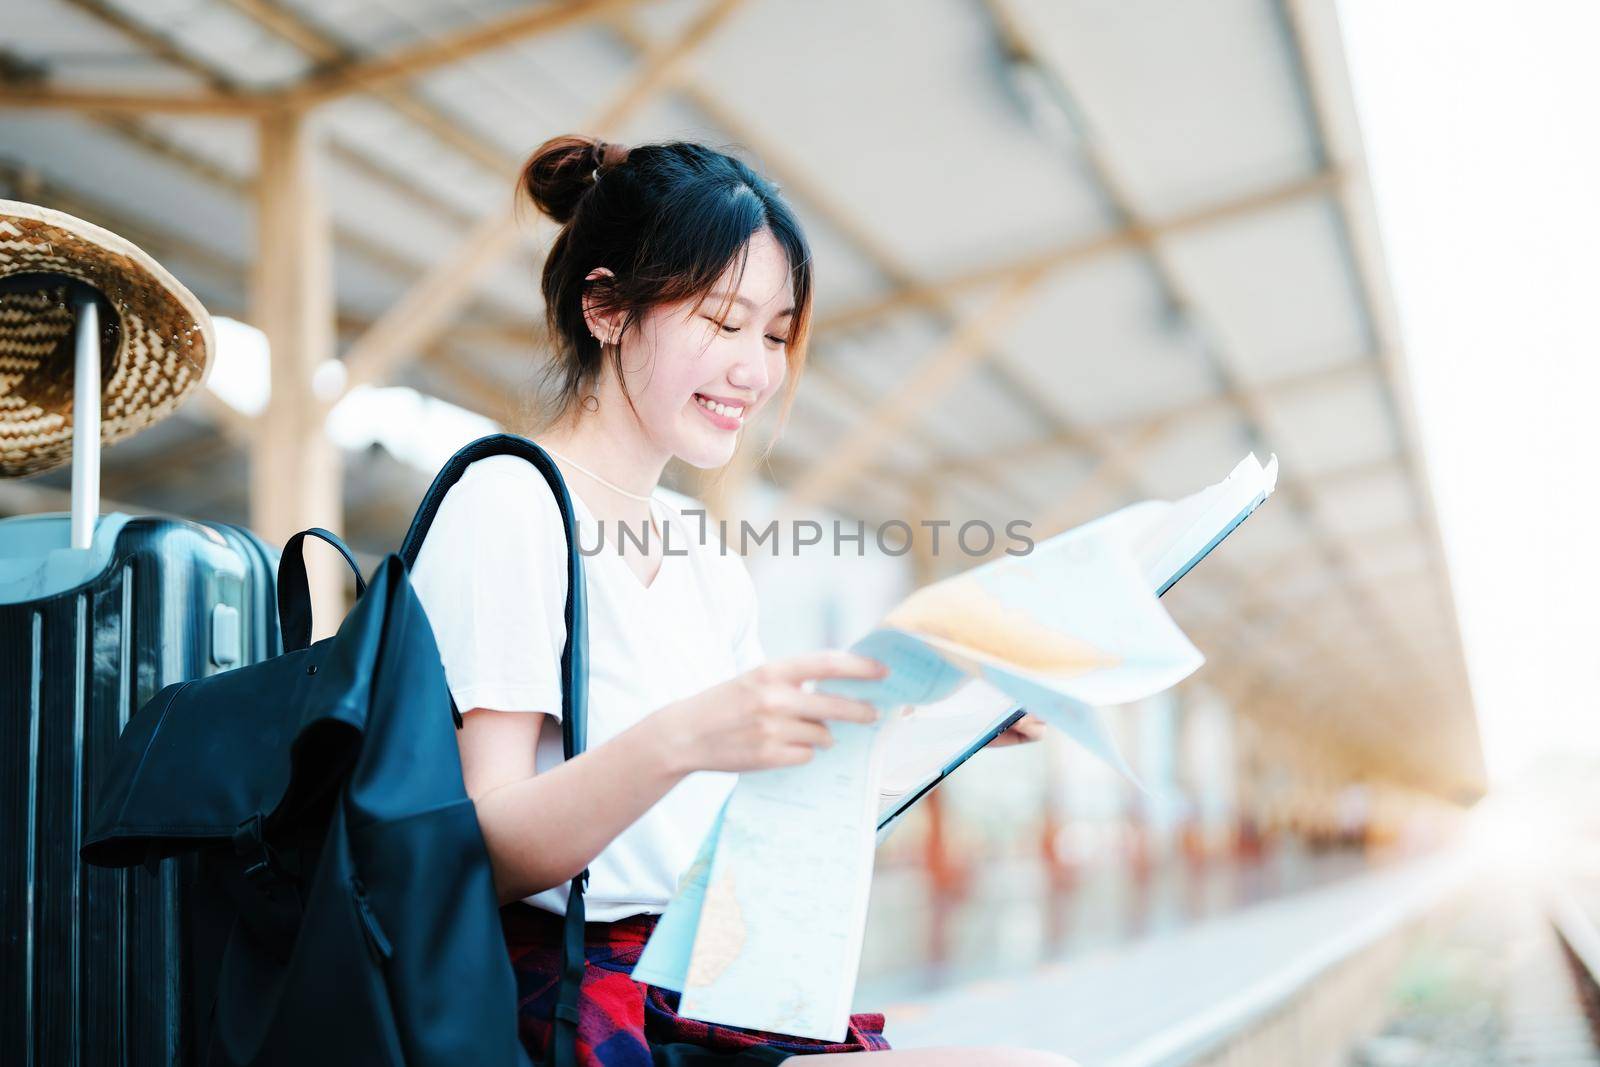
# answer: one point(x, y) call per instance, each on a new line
point(1197, 103)
point(1415, 595)
point(822, 417)
point(951, 502)
point(1052, 476)
point(1096, 346)
point(664, 18)
point(979, 416)
point(1192, 455)
point(236, 45)
point(1343, 425)
point(72, 152)
point(532, 89)
point(78, 50)
point(1352, 507)
point(416, 237)
point(1307, 583)
point(935, 159)
point(378, 132)
point(841, 276)
point(228, 144)
point(387, 217)
point(1087, 499)
point(365, 289)
point(375, 26)
point(1394, 559)
point(1278, 289)
point(883, 360)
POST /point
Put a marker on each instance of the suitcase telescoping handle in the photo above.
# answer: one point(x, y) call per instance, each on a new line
point(294, 592)
point(94, 322)
point(91, 313)
point(85, 419)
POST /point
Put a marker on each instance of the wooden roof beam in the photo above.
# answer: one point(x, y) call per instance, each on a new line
point(125, 102)
point(406, 64)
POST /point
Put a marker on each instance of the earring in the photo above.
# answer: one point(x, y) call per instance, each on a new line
point(590, 402)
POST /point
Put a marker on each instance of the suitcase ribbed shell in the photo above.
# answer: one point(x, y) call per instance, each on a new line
point(94, 959)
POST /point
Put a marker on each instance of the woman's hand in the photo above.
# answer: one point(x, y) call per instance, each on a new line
point(1028, 728)
point(765, 717)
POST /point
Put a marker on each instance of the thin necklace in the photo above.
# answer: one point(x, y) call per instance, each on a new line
point(609, 485)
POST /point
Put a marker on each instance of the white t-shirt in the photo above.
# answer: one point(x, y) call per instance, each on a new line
point(492, 576)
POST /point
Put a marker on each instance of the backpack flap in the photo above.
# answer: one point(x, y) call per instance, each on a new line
point(202, 761)
point(179, 780)
point(176, 782)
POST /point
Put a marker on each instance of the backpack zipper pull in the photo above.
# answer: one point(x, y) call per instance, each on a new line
point(377, 942)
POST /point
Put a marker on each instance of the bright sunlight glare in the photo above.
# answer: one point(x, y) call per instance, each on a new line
point(1478, 119)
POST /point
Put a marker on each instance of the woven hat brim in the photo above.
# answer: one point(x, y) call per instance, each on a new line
point(166, 348)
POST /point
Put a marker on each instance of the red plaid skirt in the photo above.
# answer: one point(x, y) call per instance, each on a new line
point(620, 1020)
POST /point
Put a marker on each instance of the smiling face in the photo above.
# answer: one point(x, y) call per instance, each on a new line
point(698, 370)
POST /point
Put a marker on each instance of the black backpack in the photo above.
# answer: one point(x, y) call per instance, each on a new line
point(344, 908)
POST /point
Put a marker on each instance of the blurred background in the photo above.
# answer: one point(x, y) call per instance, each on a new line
point(1070, 254)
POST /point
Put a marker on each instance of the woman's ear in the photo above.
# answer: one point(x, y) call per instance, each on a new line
point(603, 326)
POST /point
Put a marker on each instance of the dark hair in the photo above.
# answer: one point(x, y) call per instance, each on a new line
point(667, 219)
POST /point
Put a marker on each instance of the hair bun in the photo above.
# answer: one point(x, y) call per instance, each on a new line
point(561, 170)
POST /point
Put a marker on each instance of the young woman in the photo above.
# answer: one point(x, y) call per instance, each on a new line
point(677, 295)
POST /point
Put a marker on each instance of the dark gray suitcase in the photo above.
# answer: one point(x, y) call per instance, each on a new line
point(95, 960)
point(98, 613)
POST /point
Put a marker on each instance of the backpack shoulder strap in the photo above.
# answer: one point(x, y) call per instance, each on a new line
point(574, 690)
point(575, 653)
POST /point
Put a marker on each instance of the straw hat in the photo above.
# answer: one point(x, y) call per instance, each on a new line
point(156, 341)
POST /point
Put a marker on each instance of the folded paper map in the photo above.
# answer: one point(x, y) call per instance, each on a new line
point(765, 931)
point(1167, 539)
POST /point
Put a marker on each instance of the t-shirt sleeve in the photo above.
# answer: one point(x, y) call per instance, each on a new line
point(492, 576)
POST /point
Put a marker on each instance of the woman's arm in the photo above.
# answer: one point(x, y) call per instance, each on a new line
point(541, 829)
